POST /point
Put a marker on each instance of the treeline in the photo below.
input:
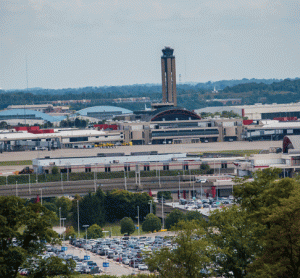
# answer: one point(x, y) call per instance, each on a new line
point(286, 85)
point(190, 96)
point(100, 208)
point(259, 236)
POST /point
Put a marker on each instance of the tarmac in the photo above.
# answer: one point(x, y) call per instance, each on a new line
point(167, 148)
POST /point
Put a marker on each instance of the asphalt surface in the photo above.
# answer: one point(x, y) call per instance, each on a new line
point(114, 268)
point(168, 148)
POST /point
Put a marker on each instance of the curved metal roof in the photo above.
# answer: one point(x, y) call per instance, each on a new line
point(28, 114)
point(173, 113)
point(100, 109)
point(290, 142)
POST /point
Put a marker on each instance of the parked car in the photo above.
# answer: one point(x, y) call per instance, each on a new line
point(142, 267)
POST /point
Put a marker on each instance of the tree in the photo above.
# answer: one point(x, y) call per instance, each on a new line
point(53, 266)
point(280, 256)
point(204, 167)
point(166, 194)
point(194, 215)
point(237, 239)
point(36, 221)
point(188, 259)
point(70, 232)
point(94, 231)
point(152, 223)
point(127, 226)
point(174, 217)
point(50, 206)
point(274, 205)
point(92, 209)
point(122, 203)
point(65, 204)
point(54, 170)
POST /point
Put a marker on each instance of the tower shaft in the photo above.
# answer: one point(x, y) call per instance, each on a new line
point(168, 71)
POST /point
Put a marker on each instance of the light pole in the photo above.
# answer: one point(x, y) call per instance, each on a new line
point(150, 203)
point(41, 189)
point(63, 219)
point(201, 191)
point(61, 181)
point(125, 185)
point(138, 209)
point(162, 212)
point(78, 218)
point(179, 195)
point(60, 220)
point(85, 226)
point(16, 189)
point(94, 179)
point(29, 184)
point(159, 177)
point(194, 188)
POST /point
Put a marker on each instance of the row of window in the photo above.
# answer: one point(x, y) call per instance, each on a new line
point(184, 132)
point(166, 167)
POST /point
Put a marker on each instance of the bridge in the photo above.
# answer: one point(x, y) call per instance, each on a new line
point(82, 187)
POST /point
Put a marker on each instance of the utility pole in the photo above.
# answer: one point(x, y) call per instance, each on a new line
point(162, 212)
point(151, 208)
point(63, 219)
point(29, 184)
point(60, 220)
point(85, 226)
point(95, 180)
point(138, 209)
point(179, 187)
point(125, 185)
point(78, 218)
point(41, 196)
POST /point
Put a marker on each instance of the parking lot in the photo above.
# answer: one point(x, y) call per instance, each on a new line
point(123, 255)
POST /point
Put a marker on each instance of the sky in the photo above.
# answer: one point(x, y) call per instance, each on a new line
point(79, 43)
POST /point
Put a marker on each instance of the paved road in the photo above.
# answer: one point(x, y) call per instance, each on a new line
point(168, 148)
point(114, 268)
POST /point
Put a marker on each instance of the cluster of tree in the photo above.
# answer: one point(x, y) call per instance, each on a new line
point(79, 123)
point(223, 114)
point(190, 96)
point(99, 208)
point(24, 228)
point(287, 85)
point(220, 85)
point(151, 223)
point(167, 195)
point(259, 237)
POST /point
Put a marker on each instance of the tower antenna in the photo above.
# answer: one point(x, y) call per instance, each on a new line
point(27, 89)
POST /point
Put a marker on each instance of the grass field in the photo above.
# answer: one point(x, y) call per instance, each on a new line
point(236, 152)
point(115, 229)
point(14, 163)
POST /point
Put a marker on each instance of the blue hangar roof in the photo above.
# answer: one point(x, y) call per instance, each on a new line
point(103, 109)
point(28, 114)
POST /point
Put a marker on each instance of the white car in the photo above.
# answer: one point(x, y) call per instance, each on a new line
point(201, 180)
point(142, 267)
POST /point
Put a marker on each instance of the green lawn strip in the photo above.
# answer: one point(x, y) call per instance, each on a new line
point(115, 229)
point(233, 152)
point(33, 178)
point(15, 163)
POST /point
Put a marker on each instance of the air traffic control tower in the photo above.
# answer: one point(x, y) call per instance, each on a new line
point(168, 73)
